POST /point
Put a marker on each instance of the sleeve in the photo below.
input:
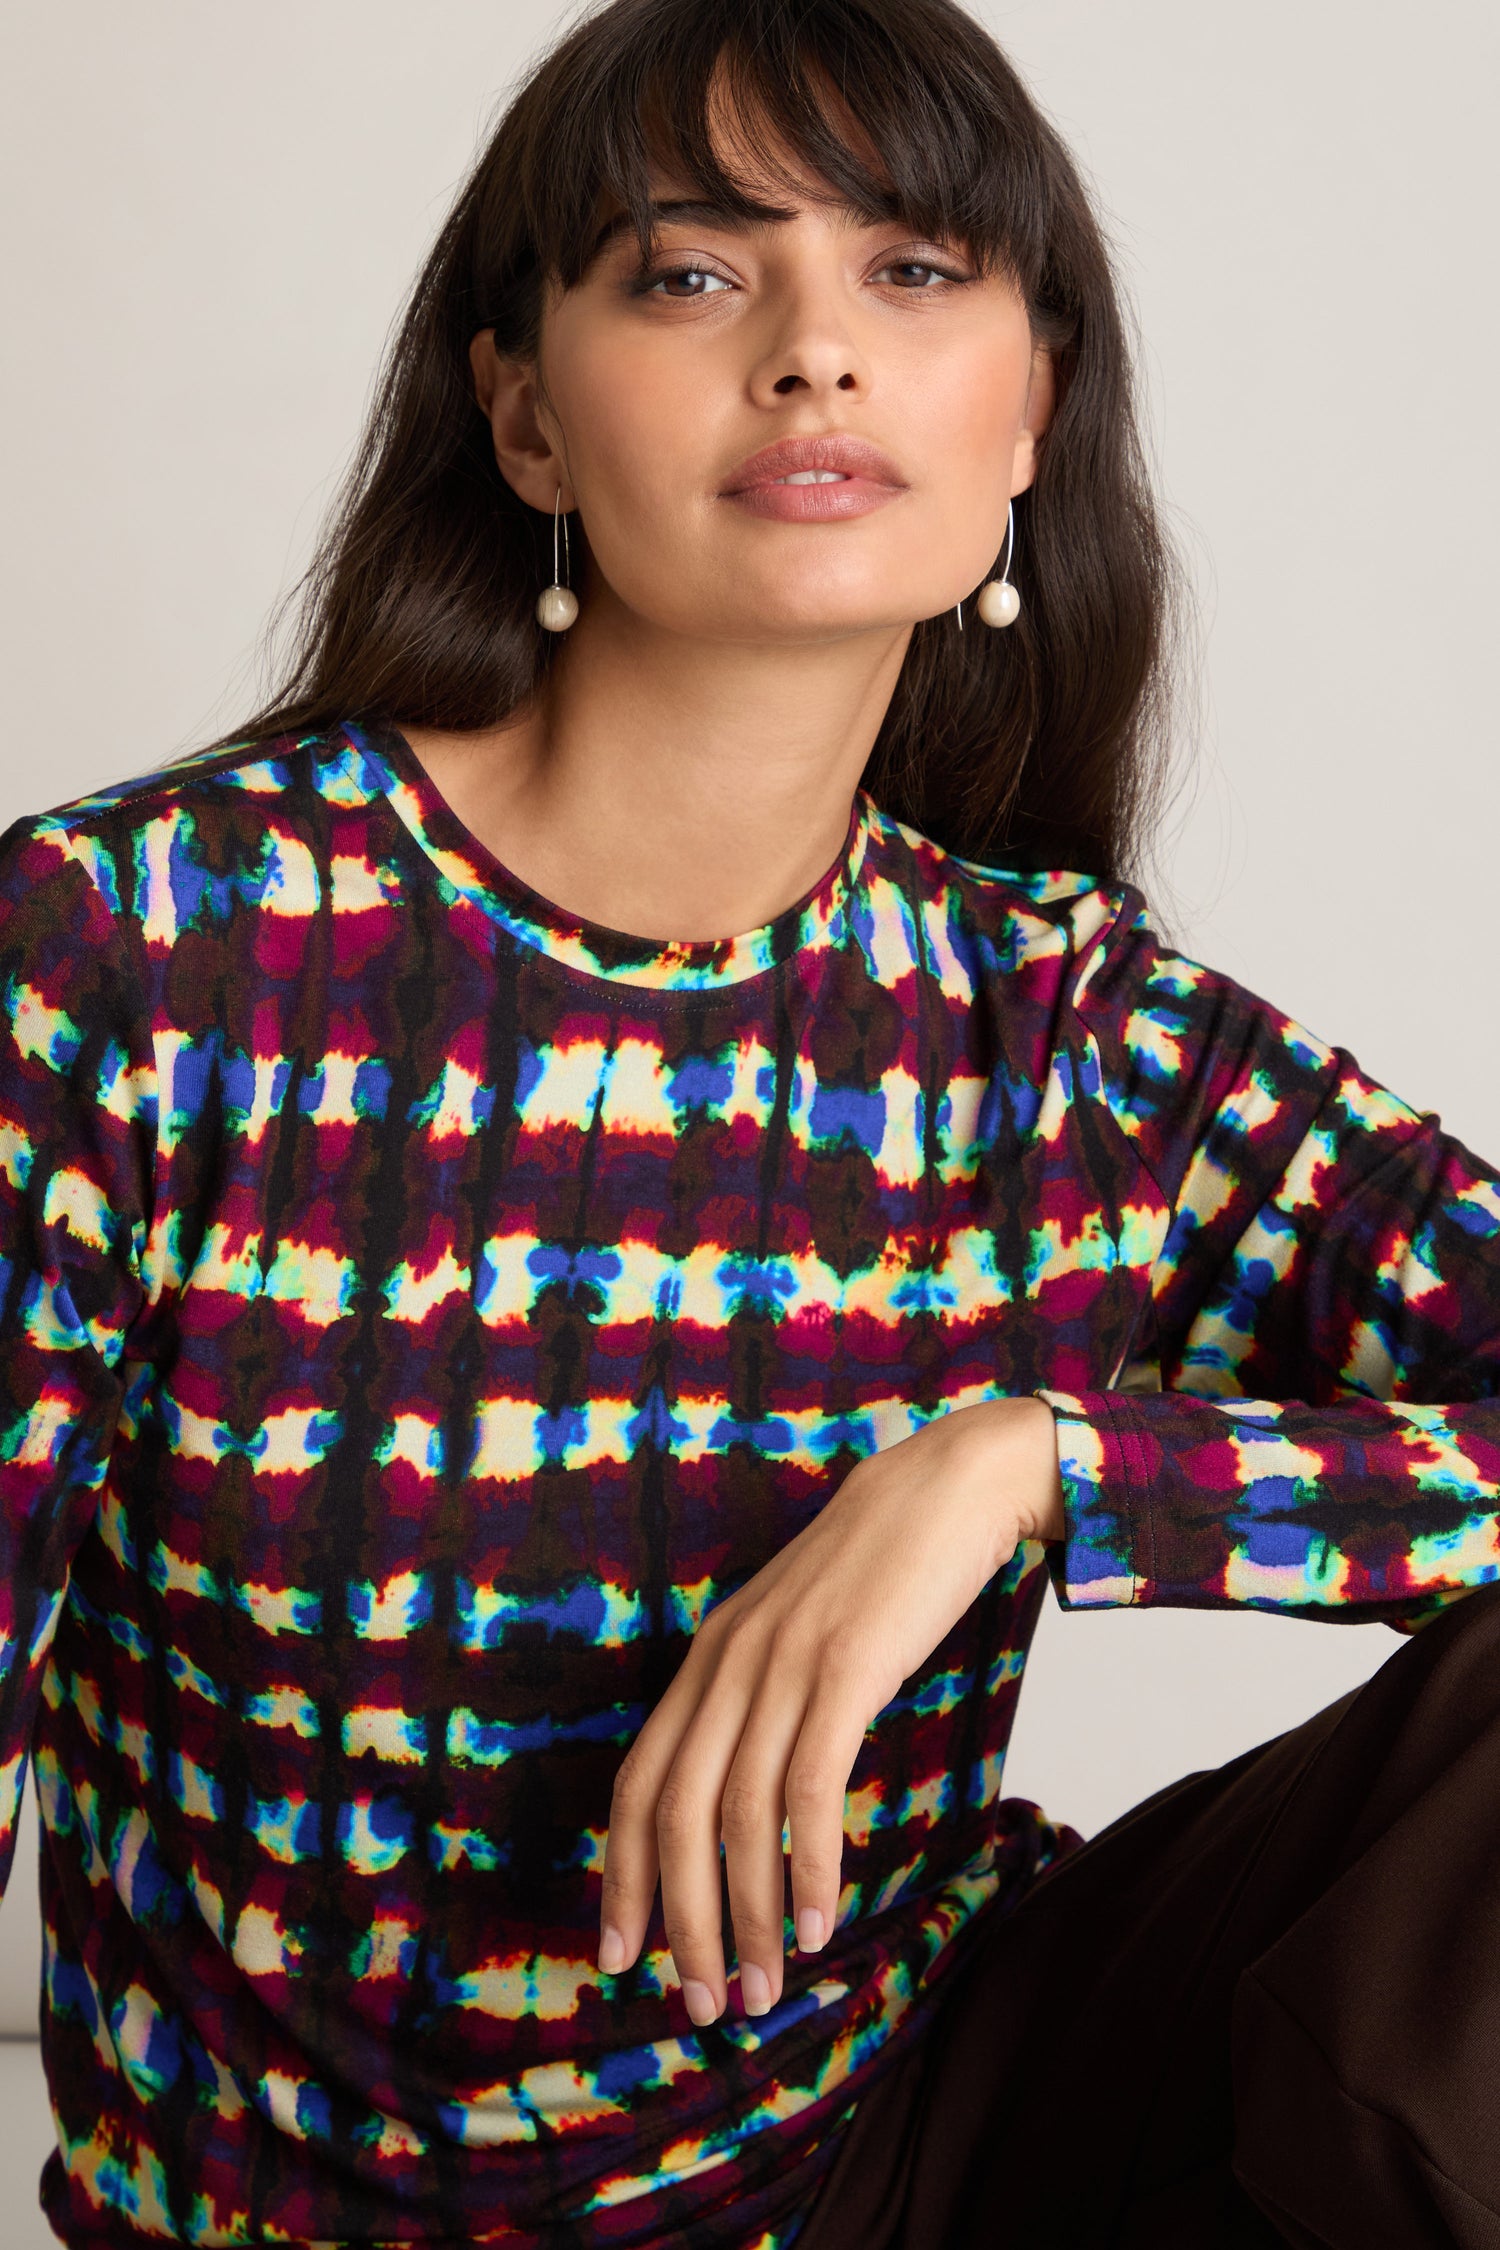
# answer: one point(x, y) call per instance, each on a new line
point(1310, 1422)
point(77, 1116)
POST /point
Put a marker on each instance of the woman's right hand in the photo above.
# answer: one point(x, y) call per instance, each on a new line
point(764, 1720)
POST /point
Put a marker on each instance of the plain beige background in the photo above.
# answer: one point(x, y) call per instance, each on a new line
point(211, 214)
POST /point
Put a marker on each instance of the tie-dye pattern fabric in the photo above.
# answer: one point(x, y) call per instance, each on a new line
point(420, 1306)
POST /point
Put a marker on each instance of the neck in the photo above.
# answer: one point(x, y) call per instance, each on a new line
point(674, 788)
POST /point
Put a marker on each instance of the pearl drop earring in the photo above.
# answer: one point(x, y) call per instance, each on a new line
point(998, 602)
point(557, 604)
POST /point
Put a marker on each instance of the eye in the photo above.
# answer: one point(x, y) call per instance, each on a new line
point(647, 285)
point(921, 266)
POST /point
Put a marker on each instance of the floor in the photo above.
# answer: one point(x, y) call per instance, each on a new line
point(25, 2141)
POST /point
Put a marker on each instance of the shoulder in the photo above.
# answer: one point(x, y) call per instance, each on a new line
point(1072, 947)
point(156, 830)
point(262, 770)
point(1002, 916)
point(1169, 1041)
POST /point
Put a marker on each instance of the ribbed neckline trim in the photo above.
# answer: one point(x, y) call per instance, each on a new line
point(590, 949)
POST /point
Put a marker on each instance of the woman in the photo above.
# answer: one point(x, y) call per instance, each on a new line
point(597, 1200)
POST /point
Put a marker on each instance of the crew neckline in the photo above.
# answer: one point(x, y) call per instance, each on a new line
point(592, 950)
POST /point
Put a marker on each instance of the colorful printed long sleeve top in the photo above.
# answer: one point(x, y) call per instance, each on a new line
point(419, 1306)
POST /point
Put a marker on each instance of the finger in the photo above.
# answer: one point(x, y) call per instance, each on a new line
point(630, 1856)
point(629, 1869)
point(752, 1817)
point(687, 1843)
point(816, 1781)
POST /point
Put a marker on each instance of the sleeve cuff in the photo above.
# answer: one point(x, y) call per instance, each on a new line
point(1104, 1559)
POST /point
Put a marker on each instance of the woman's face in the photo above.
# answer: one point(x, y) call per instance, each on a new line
point(658, 385)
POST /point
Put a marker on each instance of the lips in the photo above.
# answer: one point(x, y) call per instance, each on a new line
point(834, 450)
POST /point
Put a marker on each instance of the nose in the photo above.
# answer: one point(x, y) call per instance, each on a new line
point(848, 381)
point(811, 349)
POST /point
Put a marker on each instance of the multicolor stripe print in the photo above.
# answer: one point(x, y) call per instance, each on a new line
point(420, 1306)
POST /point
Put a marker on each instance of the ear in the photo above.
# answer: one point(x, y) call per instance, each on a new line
point(506, 391)
point(1041, 404)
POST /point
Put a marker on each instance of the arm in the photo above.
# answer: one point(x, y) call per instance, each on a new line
point(1325, 1317)
point(76, 1108)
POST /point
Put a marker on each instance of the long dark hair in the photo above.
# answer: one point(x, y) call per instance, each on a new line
point(1048, 743)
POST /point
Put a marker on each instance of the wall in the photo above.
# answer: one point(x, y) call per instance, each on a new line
point(211, 215)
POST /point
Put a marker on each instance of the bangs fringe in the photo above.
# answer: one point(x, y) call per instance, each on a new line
point(888, 107)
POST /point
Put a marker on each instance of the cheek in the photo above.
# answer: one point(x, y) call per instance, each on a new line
point(971, 404)
point(639, 428)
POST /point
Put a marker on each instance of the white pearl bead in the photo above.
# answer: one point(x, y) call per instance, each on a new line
point(556, 608)
point(999, 603)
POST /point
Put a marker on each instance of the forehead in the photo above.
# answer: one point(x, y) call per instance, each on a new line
point(746, 175)
point(747, 141)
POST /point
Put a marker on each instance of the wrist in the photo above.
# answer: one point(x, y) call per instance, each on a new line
point(1020, 1469)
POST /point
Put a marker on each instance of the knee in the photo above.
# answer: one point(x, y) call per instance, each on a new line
point(1464, 1620)
point(1447, 1675)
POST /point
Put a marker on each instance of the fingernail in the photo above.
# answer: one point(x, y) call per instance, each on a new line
point(810, 1930)
point(611, 1953)
point(699, 2001)
point(755, 1988)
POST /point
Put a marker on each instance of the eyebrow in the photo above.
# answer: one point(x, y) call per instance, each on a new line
point(705, 212)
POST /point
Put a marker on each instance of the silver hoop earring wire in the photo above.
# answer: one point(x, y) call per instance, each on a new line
point(998, 602)
point(557, 604)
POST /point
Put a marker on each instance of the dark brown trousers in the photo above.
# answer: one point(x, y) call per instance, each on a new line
point(1263, 2007)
